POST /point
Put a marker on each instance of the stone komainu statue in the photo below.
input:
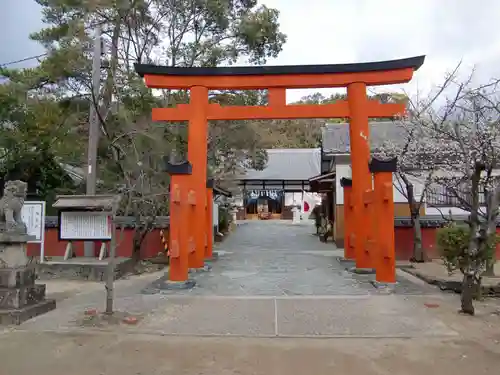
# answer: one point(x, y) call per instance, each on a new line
point(11, 204)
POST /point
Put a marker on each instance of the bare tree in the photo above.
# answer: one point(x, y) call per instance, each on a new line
point(452, 141)
point(416, 153)
point(413, 177)
point(465, 133)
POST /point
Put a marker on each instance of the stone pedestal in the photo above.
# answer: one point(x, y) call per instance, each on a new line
point(296, 215)
point(20, 298)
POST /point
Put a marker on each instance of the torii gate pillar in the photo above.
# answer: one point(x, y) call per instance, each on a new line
point(197, 155)
point(359, 134)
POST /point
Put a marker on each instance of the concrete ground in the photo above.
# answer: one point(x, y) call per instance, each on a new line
point(276, 302)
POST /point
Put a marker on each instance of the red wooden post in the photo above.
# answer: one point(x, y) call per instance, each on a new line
point(359, 133)
point(197, 155)
point(179, 222)
point(369, 210)
point(384, 208)
point(349, 253)
point(209, 220)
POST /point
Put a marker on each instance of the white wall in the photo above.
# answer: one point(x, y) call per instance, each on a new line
point(293, 198)
point(344, 170)
point(444, 211)
point(400, 192)
point(215, 216)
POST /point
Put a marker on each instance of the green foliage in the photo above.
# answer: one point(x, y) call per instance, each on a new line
point(453, 242)
point(174, 33)
point(224, 219)
point(318, 98)
point(37, 134)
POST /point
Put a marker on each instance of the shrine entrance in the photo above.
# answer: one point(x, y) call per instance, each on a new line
point(264, 204)
point(370, 234)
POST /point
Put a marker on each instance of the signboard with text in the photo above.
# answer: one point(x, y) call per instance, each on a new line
point(85, 225)
point(33, 215)
point(271, 194)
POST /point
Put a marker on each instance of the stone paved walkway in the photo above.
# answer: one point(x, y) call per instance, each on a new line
point(272, 279)
point(278, 258)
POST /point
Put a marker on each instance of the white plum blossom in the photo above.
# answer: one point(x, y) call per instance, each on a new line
point(456, 146)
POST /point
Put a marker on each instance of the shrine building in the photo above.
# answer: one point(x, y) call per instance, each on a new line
point(272, 193)
point(336, 164)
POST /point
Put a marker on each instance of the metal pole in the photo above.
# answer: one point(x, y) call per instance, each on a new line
point(93, 140)
point(110, 277)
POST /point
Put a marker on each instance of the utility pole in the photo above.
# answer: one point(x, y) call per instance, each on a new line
point(94, 130)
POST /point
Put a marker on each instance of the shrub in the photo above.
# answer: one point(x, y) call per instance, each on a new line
point(453, 243)
point(224, 219)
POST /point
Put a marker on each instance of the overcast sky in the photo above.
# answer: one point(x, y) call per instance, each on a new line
point(338, 31)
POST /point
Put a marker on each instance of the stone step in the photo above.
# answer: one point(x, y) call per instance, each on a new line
point(89, 269)
point(16, 298)
point(18, 316)
point(17, 277)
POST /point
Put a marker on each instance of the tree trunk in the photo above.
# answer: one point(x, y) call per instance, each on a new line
point(139, 236)
point(468, 290)
point(490, 267)
point(418, 252)
point(492, 201)
point(467, 294)
point(136, 244)
point(478, 290)
point(107, 95)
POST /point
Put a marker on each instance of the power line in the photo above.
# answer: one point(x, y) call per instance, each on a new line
point(36, 56)
point(23, 60)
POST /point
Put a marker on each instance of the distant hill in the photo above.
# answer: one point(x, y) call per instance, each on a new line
point(306, 133)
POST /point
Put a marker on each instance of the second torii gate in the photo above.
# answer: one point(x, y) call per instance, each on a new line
point(189, 237)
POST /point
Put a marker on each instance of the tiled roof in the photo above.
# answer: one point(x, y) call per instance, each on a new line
point(288, 164)
point(335, 137)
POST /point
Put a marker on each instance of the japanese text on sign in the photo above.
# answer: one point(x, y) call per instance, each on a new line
point(84, 225)
point(33, 215)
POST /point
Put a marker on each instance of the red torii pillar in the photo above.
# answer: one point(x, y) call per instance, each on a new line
point(349, 253)
point(359, 135)
point(179, 228)
point(197, 155)
point(209, 221)
point(384, 219)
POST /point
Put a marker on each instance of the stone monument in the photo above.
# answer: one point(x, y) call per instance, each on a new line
point(20, 298)
point(296, 214)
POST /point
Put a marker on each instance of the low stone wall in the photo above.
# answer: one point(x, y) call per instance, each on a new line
point(89, 271)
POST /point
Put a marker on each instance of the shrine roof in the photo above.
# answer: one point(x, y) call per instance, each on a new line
point(335, 137)
point(297, 164)
point(376, 66)
point(88, 202)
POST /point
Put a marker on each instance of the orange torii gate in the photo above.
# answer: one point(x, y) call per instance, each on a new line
point(188, 193)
